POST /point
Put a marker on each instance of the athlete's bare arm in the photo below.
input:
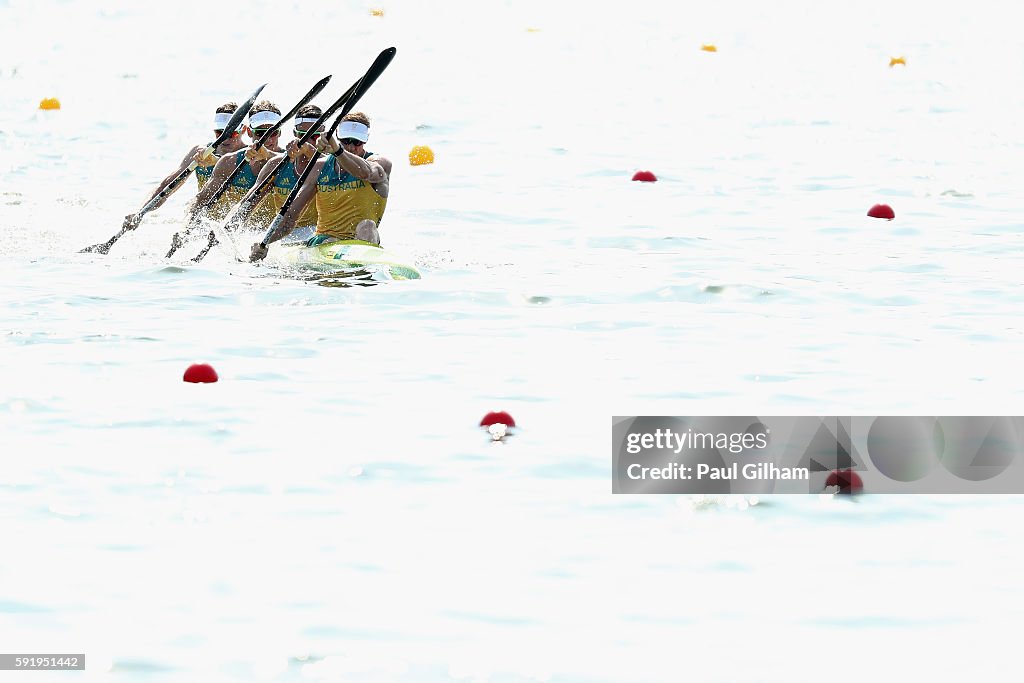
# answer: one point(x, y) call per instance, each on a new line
point(253, 197)
point(131, 221)
point(224, 168)
point(305, 195)
point(268, 168)
point(167, 181)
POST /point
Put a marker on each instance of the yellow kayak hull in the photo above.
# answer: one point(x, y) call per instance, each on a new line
point(346, 255)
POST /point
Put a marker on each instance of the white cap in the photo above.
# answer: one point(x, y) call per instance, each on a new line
point(263, 118)
point(221, 119)
point(354, 129)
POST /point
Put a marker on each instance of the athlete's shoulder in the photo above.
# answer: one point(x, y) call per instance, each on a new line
point(277, 161)
point(384, 162)
point(229, 160)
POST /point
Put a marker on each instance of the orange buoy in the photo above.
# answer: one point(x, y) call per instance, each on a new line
point(893, 61)
point(50, 103)
point(421, 154)
point(708, 47)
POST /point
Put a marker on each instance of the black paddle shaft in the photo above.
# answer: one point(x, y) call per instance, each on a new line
point(229, 129)
point(314, 91)
point(232, 124)
point(246, 205)
point(357, 90)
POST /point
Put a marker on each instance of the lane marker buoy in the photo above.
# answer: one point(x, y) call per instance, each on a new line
point(882, 211)
point(421, 154)
point(497, 417)
point(498, 424)
point(200, 373)
point(847, 481)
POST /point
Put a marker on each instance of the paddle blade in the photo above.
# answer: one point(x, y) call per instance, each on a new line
point(378, 66)
point(364, 83)
point(176, 243)
point(102, 248)
point(313, 92)
point(374, 72)
point(131, 221)
point(206, 250)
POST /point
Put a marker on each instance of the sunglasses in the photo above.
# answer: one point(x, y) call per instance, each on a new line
point(259, 132)
point(300, 133)
point(350, 141)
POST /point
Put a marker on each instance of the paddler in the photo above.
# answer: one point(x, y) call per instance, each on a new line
point(206, 163)
point(262, 118)
point(287, 169)
point(350, 194)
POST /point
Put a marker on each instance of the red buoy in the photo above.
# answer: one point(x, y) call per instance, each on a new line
point(848, 481)
point(882, 211)
point(497, 417)
point(200, 373)
point(644, 176)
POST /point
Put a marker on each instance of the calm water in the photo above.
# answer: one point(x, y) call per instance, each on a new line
point(330, 511)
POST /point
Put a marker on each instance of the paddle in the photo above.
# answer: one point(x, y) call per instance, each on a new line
point(347, 102)
point(313, 92)
point(244, 208)
point(364, 83)
point(132, 222)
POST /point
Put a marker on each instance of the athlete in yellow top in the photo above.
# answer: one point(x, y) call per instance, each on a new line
point(206, 163)
point(287, 168)
point(351, 191)
point(262, 117)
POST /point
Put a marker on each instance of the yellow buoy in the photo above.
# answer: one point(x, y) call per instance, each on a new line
point(893, 61)
point(377, 12)
point(531, 29)
point(421, 154)
point(709, 48)
point(50, 103)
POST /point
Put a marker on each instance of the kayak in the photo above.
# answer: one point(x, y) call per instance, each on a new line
point(345, 255)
